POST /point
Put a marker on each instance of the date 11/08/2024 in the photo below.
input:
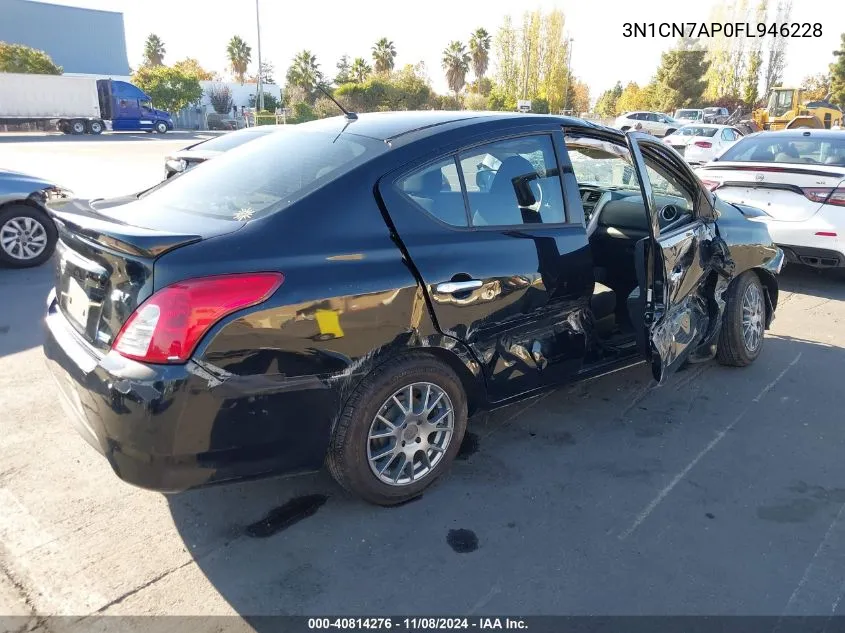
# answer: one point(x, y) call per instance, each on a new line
point(416, 624)
point(726, 29)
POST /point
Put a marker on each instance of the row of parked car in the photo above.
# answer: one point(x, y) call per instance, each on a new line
point(349, 291)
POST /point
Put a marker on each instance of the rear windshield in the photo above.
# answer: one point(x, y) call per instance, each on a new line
point(232, 140)
point(789, 149)
point(688, 114)
point(693, 130)
point(266, 175)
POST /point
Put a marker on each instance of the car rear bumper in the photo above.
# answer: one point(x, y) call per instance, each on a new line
point(174, 427)
point(815, 257)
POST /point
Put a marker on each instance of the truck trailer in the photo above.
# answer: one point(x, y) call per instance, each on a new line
point(79, 105)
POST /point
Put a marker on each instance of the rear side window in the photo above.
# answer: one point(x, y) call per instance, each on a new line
point(266, 175)
point(728, 135)
point(510, 182)
point(777, 148)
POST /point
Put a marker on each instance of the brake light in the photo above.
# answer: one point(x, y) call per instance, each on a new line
point(826, 233)
point(711, 185)
point(704, 144)
point(826, 195)
point(167, 327)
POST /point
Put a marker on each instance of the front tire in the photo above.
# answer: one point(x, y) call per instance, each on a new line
point(27, 236)
point(161, 127)
point(399, 431)
point(741, 338)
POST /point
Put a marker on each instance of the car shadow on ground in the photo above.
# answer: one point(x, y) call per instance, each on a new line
point(826, 284)
point(533, 516)
point(23, 294)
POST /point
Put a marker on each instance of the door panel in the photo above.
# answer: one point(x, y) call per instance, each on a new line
point(677, 315)
point(517, 296)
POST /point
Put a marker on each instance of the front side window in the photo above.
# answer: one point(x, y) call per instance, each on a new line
point(728, 135)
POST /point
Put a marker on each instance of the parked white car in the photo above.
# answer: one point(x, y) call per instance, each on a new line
point(651, 122)
point(689, 115)
point(797, 177)
point(700, 143)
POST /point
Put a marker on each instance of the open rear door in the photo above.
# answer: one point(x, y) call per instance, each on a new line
point(676, 315)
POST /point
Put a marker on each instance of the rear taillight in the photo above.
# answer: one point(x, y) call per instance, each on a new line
point(827, 195)
point(704, 144)
point(167, 327)
point(711, 185)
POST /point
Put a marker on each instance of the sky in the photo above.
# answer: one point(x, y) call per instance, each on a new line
point(601, 55)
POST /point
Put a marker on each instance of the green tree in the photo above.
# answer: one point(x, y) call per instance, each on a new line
point(344, 72)
point(384, 54)
point(360, 69)
point(479, 47)
point(680, 81)
point(456, 64)
point(606, 103)
point(751, 81)
point(837, 75)
point(501, 99)
point(170, 88)
point(191, 66)
point(304, 72)
point(815, 87)
point(507, 57)
point(776, 54)
point(153, 50)
point(267, 72)
point(239, 54)
point(17, 58)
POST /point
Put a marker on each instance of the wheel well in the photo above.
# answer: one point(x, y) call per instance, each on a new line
point(471, 384)
point(25, 202)
point(770, 286)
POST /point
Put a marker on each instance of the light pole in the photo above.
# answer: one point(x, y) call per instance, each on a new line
point(260, 96)
point(568, 71)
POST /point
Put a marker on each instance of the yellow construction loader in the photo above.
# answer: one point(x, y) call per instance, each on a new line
point(786, 110)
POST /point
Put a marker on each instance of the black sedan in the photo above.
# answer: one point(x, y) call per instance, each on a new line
point(193, 155)
point(350, 291)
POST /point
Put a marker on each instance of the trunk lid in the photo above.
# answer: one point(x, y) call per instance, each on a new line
point(104, 264)
point(779, 189)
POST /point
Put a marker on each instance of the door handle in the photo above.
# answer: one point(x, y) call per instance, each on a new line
point(453, 287)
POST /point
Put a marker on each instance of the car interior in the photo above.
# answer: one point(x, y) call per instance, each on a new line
point(617, 222)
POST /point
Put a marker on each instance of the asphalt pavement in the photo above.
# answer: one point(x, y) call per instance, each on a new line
point(720, 492)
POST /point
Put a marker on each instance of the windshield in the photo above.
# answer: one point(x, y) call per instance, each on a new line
point(780, 102)
point(266, 175)
point(697, 130)
point(231, 140)
point(693, 115)
point(775, 148)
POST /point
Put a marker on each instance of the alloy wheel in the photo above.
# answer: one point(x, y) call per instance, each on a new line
point(752, 317)
point(23, 238)
point(410, 434)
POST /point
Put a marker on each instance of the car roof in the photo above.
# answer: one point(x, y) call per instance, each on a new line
point(718, 126)
point(388, 126)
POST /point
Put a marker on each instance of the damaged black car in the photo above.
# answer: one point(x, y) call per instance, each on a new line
point(350, 292)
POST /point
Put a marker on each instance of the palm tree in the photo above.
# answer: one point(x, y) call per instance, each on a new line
point(456, 64)
point(240, 54)
point(479, 46)
point(153, 50)
point(383, 53)
point(360, 69)
point(304, 71)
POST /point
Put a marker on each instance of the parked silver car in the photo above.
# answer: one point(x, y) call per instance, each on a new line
point(27, 233)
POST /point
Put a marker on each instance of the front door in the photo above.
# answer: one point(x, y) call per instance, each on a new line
point(678, 308)
point(508, 273)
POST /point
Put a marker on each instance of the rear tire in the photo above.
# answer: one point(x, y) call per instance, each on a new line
point(352, 457)
point(77, 127)
point(95, 127)
point(15, 221)
point(744, 321)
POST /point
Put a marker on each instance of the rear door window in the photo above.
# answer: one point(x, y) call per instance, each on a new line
point(437, 189)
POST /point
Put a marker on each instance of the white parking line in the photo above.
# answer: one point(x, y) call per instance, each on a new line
point(642, 516)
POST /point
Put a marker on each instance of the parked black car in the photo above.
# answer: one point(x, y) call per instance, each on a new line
point(350, 291)
point(27, 233)
point(193, 155)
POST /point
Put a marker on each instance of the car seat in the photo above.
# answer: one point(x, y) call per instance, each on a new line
point(603, 307)
point(503, 205)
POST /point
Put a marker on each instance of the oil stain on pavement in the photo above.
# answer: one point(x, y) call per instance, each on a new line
point(462, 541)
